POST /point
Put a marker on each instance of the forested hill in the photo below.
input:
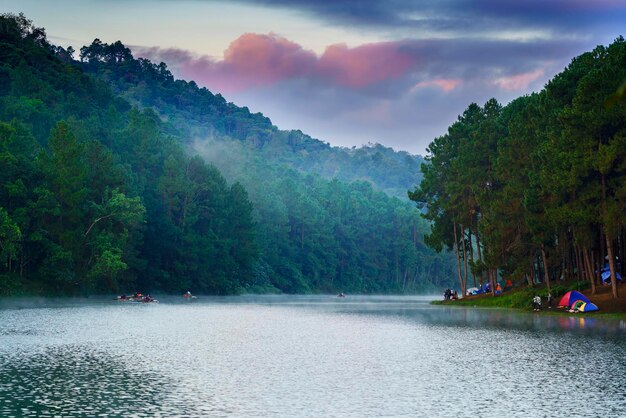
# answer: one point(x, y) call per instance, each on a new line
point(99, 193)
point(196, 114)
point(538, 185)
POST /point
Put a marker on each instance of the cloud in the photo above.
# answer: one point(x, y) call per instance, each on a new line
point(519, 82)
point(378, 69)
point(444, 84)
point(255, 60)
point(437, 57)
point(401, 93)
point(365, 64)
point(267, 58)
point(250, 61)
point(558, 17)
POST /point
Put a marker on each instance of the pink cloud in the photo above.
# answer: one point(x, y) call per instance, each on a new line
point(519, 81)
point(444, 84)
point(250, 61)
point(365, 64)
point(254, 60)
point(267, 58)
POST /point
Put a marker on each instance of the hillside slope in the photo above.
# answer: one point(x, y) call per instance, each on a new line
point(99, 193)
point(198, 115)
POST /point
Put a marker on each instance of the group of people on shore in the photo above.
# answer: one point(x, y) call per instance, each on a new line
point(537, 302)
point(449, 294)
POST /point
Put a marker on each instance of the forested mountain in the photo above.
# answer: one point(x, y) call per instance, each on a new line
point(198, 115)
point(538, 185)
point(103, 192)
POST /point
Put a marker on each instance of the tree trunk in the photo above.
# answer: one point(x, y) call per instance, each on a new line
point(478, 250)
point(579, 262)
point(464, 255)
point(546, 273)
point(622, 249)
point(458, 260)
point(609, 243)
point(600, 261)
point(609, 249)
point(529, 280)
point(600, 258)
point(471, 252)
point(590, 270)
point(570, 262)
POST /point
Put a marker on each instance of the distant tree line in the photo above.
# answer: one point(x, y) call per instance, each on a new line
point(536, 190)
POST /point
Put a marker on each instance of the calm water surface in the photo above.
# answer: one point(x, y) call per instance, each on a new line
point(305, 356)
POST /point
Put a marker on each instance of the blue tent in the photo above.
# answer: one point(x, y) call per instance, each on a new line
point(606, 276)
point(472, 291)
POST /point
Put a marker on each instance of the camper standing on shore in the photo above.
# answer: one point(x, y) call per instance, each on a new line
point(537, 303)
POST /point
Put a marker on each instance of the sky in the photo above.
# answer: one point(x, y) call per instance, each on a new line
point(394, 72)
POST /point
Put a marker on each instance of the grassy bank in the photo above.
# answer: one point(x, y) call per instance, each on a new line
point(521, 298)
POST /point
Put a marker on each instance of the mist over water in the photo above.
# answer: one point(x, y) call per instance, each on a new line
point(304, 356)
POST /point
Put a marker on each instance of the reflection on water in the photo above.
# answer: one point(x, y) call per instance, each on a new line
point(304, 356)
point(500, 318)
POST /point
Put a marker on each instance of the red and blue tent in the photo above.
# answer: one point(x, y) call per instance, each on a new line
point(570, 297)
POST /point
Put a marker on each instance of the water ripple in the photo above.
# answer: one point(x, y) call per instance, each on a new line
point(305, 358)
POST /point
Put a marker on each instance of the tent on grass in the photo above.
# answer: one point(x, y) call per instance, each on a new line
point(570, 297)
point(586, 307)
point(472, 291)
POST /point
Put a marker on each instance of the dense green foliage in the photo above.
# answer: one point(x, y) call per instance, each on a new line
point(95, 197)
point(537, 188)
point(100, 190)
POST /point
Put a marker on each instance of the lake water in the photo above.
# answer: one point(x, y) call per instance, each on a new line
point(312, 356)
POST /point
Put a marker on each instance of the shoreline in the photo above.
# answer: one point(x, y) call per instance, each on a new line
point(520, 299)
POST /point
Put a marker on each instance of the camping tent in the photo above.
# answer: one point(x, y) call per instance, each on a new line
point(606, 276)
point(586, 307)
point(570, 297)
point(472, 291)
